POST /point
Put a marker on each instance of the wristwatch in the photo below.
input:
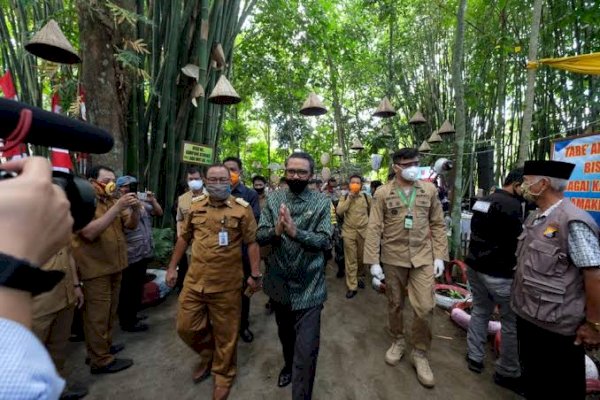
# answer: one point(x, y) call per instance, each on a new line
point(76, 285)
point(595, 325)
point(21, 275)
point(256, 278)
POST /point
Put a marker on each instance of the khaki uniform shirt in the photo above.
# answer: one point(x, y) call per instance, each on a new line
point(403, 247)
point(63, 294)
point(107, 254)
point(217, 268)
point(355, 211)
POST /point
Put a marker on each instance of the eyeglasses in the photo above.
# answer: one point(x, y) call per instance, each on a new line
point(409, 164)
point(302, 173)
point(218, 180)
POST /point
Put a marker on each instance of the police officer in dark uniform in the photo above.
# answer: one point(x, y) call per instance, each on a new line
point(496, 224)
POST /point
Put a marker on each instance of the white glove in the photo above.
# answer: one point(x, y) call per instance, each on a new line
point(376, 283)
point(377, 272)
point(438, 267)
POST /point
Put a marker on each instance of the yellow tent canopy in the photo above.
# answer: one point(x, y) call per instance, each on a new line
point(584, 64)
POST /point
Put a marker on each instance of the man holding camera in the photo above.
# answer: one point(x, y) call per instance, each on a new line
point(100, 251)
point(140, 248)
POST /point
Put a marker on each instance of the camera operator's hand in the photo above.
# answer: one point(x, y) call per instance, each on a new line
point(127, 200)
point(34, 213)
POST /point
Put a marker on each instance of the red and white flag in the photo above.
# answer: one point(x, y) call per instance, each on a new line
point(60, 158)
point(8, 90)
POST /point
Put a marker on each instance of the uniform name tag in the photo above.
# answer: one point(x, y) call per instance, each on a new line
point(408, 222)
point(482, 206)
point(223, 238)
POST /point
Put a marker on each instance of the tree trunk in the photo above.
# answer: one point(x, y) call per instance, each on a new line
point(460, 125)
point(530, 94)
point(105, 82)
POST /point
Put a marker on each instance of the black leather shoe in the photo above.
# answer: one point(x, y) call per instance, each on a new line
point(474, 366)
point(285, 377)
point(138, 327)
point(76, 338)
point(73, 393)
point(141, 317)
point(510, 383)
point(361, 284)
point(114, 349)
point(350, 294)
point(118, 364)
point(247, 335)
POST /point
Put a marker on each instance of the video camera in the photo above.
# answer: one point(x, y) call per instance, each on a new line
point(37, 126)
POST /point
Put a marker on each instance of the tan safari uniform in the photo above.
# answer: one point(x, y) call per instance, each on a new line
point(53, 310)
point(407, 255)
point(355, 211)
point(184, 202)
point(208, 318)
point(100, 263)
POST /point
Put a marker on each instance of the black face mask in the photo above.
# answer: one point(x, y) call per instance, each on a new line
point(260, 190)
point(297, 186)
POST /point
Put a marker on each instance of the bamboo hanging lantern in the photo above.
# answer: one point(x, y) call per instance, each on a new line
point(446, 128)
point(325, 174)
point(338, 152)
point(385, 109)
point(385, 132)
point(435, 138)
point(191, 70)
point(357, 145)
point(224, 93)
point(51, 44)
point(425, 147)
point(417, 119)
point(325, 159)
point(218, 56)
point(313, 106)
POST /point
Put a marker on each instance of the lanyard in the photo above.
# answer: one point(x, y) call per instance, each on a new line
point(408, 201)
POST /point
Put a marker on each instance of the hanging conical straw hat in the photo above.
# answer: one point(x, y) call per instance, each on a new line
point(224, 93)
point(446, 128)
point(313, 106)
point(191, 70)
point(357, 145)
point(338, 152)
point(424, 148)
point(218, 55)
point(51, 44)
point(385, 109)
point(435, 138)
point(417, 119)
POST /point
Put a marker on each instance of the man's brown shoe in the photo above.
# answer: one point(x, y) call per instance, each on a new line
point(220, 393)
point(201, 373)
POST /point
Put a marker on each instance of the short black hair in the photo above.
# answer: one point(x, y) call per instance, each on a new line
point(259, 178)
point(95, 171)
point(375, 184)
point(318, 181)
point(405, 154)
point(312, 182)
point(332, 179)
point(391, 176)
point(355, 176)
point(514, 176)
point(235, 160)
point(304, 156)
point(192, 170)
point(217, 166)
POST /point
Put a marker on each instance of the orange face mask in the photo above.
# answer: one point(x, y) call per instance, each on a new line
point(355, 187)
point(235, 178)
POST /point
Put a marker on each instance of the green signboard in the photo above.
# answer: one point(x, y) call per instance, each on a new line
point(194, 153)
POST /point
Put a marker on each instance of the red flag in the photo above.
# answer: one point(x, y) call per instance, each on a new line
point(7, 86)
point(60, 158)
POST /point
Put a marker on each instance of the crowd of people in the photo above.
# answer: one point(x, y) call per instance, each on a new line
point(541, 270)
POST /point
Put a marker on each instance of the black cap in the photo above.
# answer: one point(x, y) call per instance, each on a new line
point(552, 169)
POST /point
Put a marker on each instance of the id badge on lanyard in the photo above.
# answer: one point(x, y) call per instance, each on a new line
point(223, 235)
point(408, 220)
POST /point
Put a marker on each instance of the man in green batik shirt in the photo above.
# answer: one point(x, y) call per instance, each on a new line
point(297, 223)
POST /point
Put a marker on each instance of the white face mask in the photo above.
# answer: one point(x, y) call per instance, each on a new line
point(195, 184)
point(411, 173)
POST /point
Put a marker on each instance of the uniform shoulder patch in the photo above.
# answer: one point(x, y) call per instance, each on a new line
point(199, 198)
point(242, 202)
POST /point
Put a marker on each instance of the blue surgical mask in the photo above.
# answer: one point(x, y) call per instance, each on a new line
point(195, 184)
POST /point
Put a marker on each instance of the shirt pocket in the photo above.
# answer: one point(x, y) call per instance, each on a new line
point(542, 300)
point(422, 206)
point(546, 258)
point(395, 208)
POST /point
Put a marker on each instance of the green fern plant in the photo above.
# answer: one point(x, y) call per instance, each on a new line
point(163, 245)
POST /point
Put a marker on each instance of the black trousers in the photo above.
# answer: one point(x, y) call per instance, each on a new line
point(553, 367)
point(245, 323)
point(132, 290)
point(299, 332)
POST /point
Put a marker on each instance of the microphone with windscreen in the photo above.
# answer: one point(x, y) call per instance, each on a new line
point(53, 130)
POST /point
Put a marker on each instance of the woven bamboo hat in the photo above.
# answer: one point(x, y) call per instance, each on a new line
point(357, 144)
point(446, 128)
point(435, 138)
point(313, 106)
point(51, 44)
point(425, 147)
point(224, 93)
point(338, 152)
point(218, 55)
point(417, 119)
point(385, 109)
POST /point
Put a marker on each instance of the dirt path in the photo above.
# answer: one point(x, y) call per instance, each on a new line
point(350, 367)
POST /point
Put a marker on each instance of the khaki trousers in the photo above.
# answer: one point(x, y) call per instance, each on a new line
point(418, 282)
point(354, 245)
point(210, 323)
point(54, 330)
point(99, 313)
